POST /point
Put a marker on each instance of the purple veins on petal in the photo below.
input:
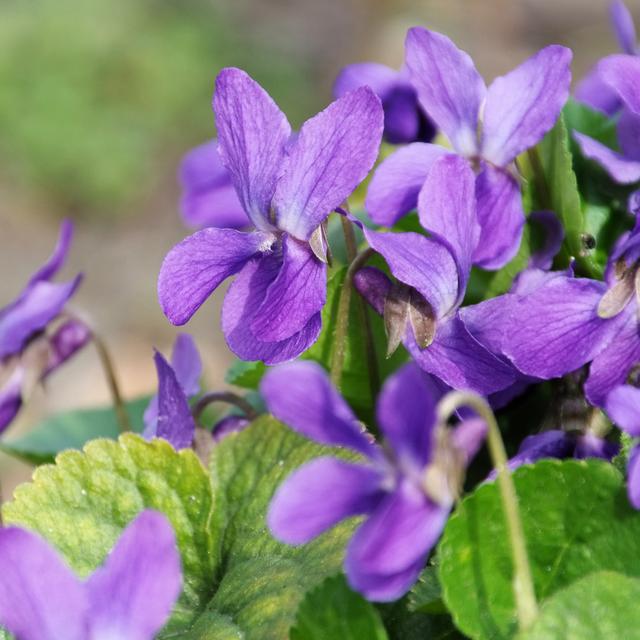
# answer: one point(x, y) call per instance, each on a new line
point(333, 152)
point(404, 489)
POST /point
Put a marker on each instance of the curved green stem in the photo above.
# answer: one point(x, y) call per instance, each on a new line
point(526, 604)
point(223, 396)
point(112, 381)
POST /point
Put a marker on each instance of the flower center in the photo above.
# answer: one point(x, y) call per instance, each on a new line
point(444, 475)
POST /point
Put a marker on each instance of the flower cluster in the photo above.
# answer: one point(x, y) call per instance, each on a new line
point(490, 259)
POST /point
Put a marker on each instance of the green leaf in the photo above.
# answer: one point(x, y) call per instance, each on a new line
point(600, 606)
point(213, 626)
point(82, 504)
point(263, 581)
point(426, 594)
point(355, 385)
point(71, 430)
point(245, 374)
point(591, 122)
point(555, 187)
point(576, 520)
point(332, 610)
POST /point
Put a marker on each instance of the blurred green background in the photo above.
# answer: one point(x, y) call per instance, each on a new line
point(99, 99)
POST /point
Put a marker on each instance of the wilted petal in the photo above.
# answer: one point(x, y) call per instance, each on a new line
point(331, 155)
point(132, 595)
point(244, 297)
point(174, 421)
point(422, 263)
point(195, 267)
point(459, 360)
point(40, 597)
point(319, 495)
point(296, 295)
point(623, 407)
point(187, 364)
point(253, 133)
point(449, 87)
point(555, 329)
point(622, 73)
point(593, 91)
point(623, 26)
point(633, 477)
point(615, 164)
point(39, 304)
point(374, 286)
point(209, 198)
point(400, 532)
point(65, 342)
point(447, 209)
point(301, 395)
point(406, 413)
point(613, 364)
point(500, 216)
point(524, 104)
point(396, 183)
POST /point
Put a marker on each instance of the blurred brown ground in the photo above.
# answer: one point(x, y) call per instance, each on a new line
point(121, 256)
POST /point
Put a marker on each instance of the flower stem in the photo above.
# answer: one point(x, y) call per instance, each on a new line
point(356, 261)
point(112, 381)
point(223, 396)
point(524, 593)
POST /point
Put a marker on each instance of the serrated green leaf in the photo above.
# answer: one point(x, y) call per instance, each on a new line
point(332, 610)
point(262, 581)
point(82, 504)
point(245, 374)
point(355, 386)
point(555, 187)
point(71, 430)
point(600, 606)
point(576, 520)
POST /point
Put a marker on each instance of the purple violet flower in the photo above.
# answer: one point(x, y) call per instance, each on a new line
point(559, 323)
point(621, 73)
point(518, 109)
point(287, 187)
point(422, 311)
point(623, 407)
point(34, 338)
point(594, 90)
point(209, 198)
point(130, 597)
point(404, 119)
point(169, 415)
point(405, 489)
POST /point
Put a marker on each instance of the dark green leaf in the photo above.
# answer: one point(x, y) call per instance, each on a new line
point(356, 384)
point(576, 520)
point(426, 594)
point(71, 430)
point(332, 610)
